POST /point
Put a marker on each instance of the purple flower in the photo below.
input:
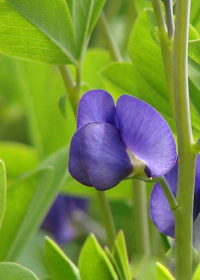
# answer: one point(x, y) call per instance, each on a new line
point(113, 143)
point(58, 219)
point(160, 211)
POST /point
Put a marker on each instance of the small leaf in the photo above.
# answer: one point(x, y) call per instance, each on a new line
point(2, 191)
point(93, 262)
point(13, 271)
point(114, 263)
point(58, 263)
point(196, 275)
point(194, 50)
point(163, 273)
point(62, 105)
point(120, 255)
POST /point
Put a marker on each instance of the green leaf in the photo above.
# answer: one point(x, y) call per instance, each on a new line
point(194, 49)
point(93, 262)
point(196, 275)
point(27, 34)
point(27, 203)
point(163, 273)
point(2, 191)
point(114, 264)
point(120, 255)
point(27, 158)
point(13, 271)
point(85, 15)
point(59, 265)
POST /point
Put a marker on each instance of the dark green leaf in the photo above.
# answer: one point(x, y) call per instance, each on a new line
point(58, 263)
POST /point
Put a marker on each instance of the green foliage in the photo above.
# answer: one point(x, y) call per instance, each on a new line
point(196, 275)
point(2, 191)
point(27, 36)
point(120, 255)
point(85, 14)
point(13, 271)
point(163, 273)
point(58, 263)
point(194, 50)
point(93, 262)
point(27, 203)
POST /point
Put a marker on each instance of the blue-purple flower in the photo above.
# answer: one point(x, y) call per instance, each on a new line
point(160, 211)
point(58, 219)
point(113, 143)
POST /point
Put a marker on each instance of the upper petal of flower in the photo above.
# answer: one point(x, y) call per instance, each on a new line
point(75, 166)
point(96, 106)
point(146, 134)
point(160, 211)
point(104, 156)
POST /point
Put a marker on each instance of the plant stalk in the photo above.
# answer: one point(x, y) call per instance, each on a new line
point(141, 217)
point(186, 154)
point(107, 217)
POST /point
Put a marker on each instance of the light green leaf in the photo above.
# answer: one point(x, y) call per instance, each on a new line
point(163, 273)
point(194, 50)
point(196, 275)
point(114, 264)
point(27, 34)
point(59, 265)
point(85, 14)
point(27, 203)
point(27, 158)
point(93, 262)
point(13, 271)
point(2, 191)
point(120, 255)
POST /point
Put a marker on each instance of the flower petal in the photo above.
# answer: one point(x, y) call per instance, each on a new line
point(96, 106)
point(104, 156)
point(160, 211)
point(146, 134)
point(75, 166)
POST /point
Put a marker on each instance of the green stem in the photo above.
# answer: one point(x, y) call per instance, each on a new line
point(169, 18)
point(141, 217)
point(112, 46)
point(107, 217)
point(165, 45)
point(70, 87)
point(187, 156)
point(169, 195)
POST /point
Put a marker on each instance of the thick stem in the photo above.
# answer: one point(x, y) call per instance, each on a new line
point(165, 45)
point(112, 46)
point(141, 217)
point(169, 18)
point(107, 217)
point(187, 157)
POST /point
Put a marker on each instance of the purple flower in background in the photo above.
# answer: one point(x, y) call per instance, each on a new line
point(58, 219)
point(113, 143)
point(160, 211)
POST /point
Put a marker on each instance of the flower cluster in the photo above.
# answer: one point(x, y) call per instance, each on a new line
point(113, 143)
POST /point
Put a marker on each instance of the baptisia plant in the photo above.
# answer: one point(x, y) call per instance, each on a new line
point(160, 211)
point(113, 143)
